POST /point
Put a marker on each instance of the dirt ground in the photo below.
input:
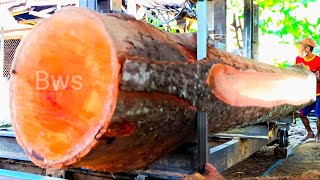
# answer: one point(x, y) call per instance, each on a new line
point(254, 166)
point(303, 164)
point(305, 159)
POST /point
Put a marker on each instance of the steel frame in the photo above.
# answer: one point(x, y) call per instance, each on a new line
point(184, 160)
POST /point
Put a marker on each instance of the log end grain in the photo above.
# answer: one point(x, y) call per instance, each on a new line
point(64, 91)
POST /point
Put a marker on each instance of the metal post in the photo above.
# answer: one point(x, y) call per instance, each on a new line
point(82, 3)
point(89, 4)
point(203, 151)
point(202, 34)
point(248, 29)
point(92, 4)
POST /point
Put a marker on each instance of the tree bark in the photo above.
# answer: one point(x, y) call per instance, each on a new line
point(139, 92)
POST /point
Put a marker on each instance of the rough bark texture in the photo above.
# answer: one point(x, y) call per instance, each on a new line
point(161, 88)
point(136, 38)
point(153, 117)
point(188, 81)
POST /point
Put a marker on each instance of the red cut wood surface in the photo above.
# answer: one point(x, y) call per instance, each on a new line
point(110, 93)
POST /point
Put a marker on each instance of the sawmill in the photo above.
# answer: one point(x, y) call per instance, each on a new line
point(110, 89)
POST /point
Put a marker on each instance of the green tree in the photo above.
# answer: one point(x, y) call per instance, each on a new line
point(285, 22)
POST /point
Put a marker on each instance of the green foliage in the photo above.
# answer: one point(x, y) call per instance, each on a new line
point(282, 21)
point(153, 21)
point(173, 20)
point(282, 64)
point(193, 30)
point(5, 125)
point(156, 22)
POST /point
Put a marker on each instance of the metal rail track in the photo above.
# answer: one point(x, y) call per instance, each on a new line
point(278, 162)
point(10, 151)
point(14, 158)
point(9, 148)
point(15, 175)
point(173, 166)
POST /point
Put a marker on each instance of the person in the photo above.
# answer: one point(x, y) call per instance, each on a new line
point(312, 62)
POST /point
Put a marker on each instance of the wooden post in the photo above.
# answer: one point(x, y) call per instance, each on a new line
point(116, 5)
point(220, 19)
point(255, 42)
point(248, 28)
point(210, 16)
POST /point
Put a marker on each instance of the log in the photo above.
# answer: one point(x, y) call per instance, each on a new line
point(110, 93)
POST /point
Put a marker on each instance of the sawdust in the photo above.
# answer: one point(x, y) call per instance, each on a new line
point(304, 164)
point(306, 160)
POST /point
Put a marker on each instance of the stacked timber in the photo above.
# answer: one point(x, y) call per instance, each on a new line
point(110, 93)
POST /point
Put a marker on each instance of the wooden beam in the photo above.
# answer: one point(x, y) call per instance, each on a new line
point(17, 30)
point(30, 22)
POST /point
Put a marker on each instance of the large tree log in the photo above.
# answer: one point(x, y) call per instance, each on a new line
point(133, 91)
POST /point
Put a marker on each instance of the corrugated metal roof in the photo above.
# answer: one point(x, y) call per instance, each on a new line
point(50, 2)
point(8, 22)
point(6, 4)
point(11, 1)
point(37, 2)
